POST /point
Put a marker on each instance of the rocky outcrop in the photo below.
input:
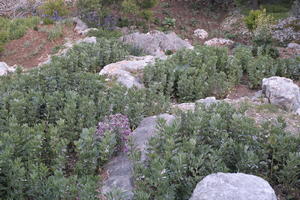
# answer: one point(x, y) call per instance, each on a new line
point(201, 34)
point(285, 30)
point(233, 186)
point(219, 42)
point(126, 72)
point(156, 43)
point(119, 169)
point(282, 92)
point(5, 69)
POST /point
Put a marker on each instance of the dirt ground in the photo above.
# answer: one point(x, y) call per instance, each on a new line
point(34, 47)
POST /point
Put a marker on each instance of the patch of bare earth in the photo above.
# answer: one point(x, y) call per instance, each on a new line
point(240, 91)
point(187, 19)
point(34, 47)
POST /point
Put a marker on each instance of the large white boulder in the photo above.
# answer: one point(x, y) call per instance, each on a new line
point(233, 186)
point(126, 71)
point(282, 92)
point(156, 43)
point(5, 69)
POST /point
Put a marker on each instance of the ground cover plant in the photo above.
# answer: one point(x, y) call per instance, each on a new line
point(48, 120)
point(219, 138)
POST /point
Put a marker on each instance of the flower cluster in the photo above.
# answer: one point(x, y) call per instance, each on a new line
point(119, 124)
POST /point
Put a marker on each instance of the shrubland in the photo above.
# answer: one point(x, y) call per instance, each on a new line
point(48, 120)
point(217, 138)
point(189, 75)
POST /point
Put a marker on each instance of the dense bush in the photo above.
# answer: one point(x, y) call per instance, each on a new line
point(257, 64)
point(48, 120)
point(193, 74)
point(219, 138)
point(92, 57)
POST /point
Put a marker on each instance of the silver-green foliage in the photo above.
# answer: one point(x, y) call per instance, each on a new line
point(219, 138)
point(48, 118)
point(193, 74)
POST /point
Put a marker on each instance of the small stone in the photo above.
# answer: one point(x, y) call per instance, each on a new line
point(201, 34)
point(293, 46)
point(5, 69)
point(218, 42)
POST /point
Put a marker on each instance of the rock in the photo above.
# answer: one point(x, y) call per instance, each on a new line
point(218, 42)
point(80, 25)
point(284, 30)
point(293, 46)
point(156, 43)
point(208, 101)
point(126, 71)
point(119, 169)
point(86, 31)
point(298, 111)
point(184, 107)
point(191, 106)
point(231, 186)
point(91, 40)
point(201, 34)
point(5, 69)
point(146, 130)
point(282, 92)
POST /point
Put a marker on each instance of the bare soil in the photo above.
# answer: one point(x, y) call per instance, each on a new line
point(34, 47)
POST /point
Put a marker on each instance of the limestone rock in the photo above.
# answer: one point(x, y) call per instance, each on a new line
point(201, 34)
point(293, 46)
point(208, 101)
point(191, 106)
point(119, 169)
point(282, 92)
point(156, 43)
point(5, 69)
point(126, 71)
point(219, 42)
point(233, 186)
point(80, 25)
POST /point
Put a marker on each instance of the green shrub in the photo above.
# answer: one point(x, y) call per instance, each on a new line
point(48, 119)
point(92, 57)
point(93, 12)
point(103, 33)
point(259, 68)
point(54, 9)
point(193, 74)
point(289, 68)
point(168, 23)
point(219, 138)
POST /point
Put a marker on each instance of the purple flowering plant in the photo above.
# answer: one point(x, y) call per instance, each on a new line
point(120, 125)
